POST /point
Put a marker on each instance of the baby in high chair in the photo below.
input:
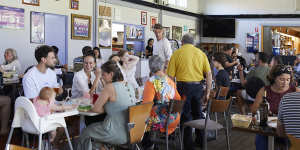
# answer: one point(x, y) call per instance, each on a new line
point(44, 105)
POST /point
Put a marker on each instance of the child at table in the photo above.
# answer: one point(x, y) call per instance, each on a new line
point(44, 105)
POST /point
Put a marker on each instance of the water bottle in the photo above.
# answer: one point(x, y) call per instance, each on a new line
point(264, 111)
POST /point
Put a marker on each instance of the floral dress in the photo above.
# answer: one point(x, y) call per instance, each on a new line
point(160, 90)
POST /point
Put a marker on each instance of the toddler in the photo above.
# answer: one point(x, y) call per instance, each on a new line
point(44, 105)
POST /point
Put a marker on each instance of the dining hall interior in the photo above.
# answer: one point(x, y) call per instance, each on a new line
point(149, 74)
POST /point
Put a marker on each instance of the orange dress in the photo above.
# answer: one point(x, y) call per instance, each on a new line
point(161, 90)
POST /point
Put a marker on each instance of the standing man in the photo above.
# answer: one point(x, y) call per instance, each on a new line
point(189, 65)
point(229, 64)
point(41, 75)
point(161, 45)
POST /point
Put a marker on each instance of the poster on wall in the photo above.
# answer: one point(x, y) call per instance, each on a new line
point(37, 28)
point(81, 27)
point(104, 35)
point(74, 4)
point(31, 2)
point(134, 32)
point(153, 21)
point(11, 18)
point(167, 32)
point(176, 33)
point(252, 42)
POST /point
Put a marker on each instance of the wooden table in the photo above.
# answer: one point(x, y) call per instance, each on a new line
point(266, 131)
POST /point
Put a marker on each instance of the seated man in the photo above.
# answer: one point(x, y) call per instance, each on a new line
point(289, 115)
point(261, 71)
point(41, 75)
point(78, 61)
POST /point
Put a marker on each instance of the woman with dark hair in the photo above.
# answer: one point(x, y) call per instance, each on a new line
point(149, 48)
point(114, 99)
point(222, 77)
point(280, 78)
point(97, 54)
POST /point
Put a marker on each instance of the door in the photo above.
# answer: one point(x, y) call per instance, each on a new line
point(56, 34)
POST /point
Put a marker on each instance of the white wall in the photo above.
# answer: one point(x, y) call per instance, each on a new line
point(244, 26)
point(20, 39)
point(131, 14)
point(192, 5)
point(226, 7)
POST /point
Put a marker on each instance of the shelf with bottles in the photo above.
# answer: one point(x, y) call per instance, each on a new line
point(216, 47)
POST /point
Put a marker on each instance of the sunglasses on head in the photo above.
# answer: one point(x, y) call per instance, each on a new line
point(286, 69)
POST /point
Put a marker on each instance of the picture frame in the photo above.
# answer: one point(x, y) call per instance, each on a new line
point(143, 18)
point(134, 32)
point(153, 21)
point(176, 33)
point(31, 2)
point(167, 32)
point(105, 11)
point(37, 27)
point(80, 27)
point(14, 18)
point(74, 4)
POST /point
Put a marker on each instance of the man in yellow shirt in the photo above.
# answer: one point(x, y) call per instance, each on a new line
point(189, 65)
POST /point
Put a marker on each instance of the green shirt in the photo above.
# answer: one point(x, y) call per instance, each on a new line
point(260, 72)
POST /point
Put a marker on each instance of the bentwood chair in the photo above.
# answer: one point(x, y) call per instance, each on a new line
point(138, 115)
point(295, 143)
point(214, 106)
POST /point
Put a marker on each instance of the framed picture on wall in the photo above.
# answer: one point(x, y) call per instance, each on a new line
point(167, 32)
point(31, 2)
point(37, 27)
point(13, 18)
point(176, 33)
point(144, 18)
point(74, 4)
point(104, 34)
point(105, 11)
point(153, 21)
point(80, 27)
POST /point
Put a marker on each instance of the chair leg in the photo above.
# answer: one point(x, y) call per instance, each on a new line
point(40, 141)
point(227, 132)
point(204, 140)
point(180, 138)
point(167, 139)
point(9, 137)
point(69, 141)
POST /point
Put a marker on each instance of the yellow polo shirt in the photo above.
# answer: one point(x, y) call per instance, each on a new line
point(188, 63)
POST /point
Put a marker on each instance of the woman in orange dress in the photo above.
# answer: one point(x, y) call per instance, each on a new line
point(160, 89)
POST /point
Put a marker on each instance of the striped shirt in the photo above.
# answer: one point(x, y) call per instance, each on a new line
point(289, 113)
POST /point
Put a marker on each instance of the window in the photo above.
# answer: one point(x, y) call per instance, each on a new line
point(178, 3)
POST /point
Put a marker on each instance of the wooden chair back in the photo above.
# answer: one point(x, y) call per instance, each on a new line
point(175, 106)
point(138, 115)
point(295, 143)
point(15, 147)
point(223, 91)
point(219, 105)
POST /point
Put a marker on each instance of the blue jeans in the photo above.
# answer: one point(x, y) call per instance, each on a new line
point(192, 110)
point(261, 142)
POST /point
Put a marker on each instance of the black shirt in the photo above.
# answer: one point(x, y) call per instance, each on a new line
point(230, 60)
point(222, 78)
point(150, 51)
